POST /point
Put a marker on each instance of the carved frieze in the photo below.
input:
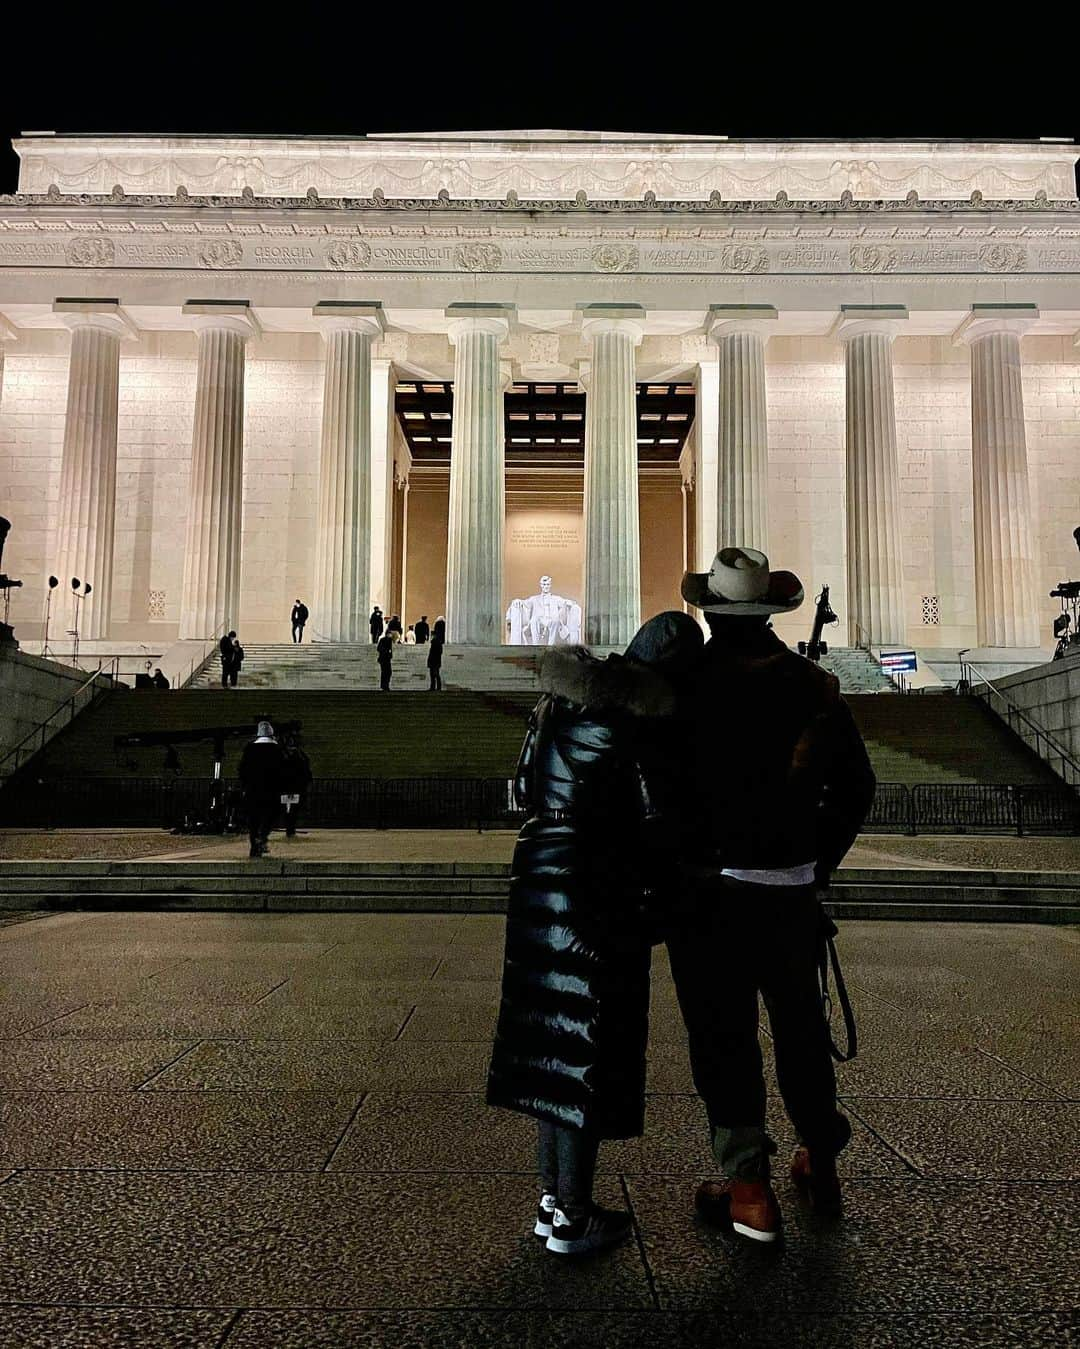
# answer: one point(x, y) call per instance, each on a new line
point(872, 258)
point(526, 168)
point(348, 255)
point(91, 251)
point(821, 249)
point(221, 253)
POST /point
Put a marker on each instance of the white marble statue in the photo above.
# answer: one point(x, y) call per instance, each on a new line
point(544, 619)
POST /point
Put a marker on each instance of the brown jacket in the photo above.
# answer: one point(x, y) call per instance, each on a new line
point(780, 773)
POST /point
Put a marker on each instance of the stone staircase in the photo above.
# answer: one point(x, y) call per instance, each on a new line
point(857, 670)
point(353, 667)
point(361, 733)
point(501, 669)
point(277, 886)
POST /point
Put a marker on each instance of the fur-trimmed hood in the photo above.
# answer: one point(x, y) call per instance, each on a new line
point(614, 684)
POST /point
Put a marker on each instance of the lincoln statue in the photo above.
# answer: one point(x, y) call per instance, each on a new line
point(544, 619)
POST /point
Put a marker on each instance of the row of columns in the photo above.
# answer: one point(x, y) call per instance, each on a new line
point(612, 604)
point(1007, 614)
point(1004, 554)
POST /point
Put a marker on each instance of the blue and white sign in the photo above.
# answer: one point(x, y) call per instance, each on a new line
point(898, 662)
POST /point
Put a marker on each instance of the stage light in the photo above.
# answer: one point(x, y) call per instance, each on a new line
point(53, 582)
point(75, 583)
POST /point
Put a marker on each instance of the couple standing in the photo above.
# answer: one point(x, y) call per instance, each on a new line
point(699, 794)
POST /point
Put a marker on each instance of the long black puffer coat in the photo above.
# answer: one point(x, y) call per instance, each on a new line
point(573, 1023)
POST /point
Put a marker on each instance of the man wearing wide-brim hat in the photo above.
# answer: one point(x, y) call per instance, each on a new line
point(780, 785)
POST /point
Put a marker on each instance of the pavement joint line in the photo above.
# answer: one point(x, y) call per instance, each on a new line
point(268, 992)
point(164, 1068)
point(324, 1169)
point(640, 1242)
point(26, 1035)
point(897, 1152)
point(229, 1327)
point(1020, 1072)
point(401, 1028)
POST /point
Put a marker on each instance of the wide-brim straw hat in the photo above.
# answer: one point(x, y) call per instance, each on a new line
point(740, 583)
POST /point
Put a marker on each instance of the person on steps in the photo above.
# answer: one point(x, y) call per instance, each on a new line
point(261, 776)
point(410, 636)
point(422, 630)
point(438, 632)
point(434, 665)
point(230, 667)
point(570, 1040)
point(375, 624)
point(300, 614)
point(779, 784)
point(384, 654)
point(295, 782)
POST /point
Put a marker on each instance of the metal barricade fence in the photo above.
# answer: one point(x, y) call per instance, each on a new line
point(487, 803)
point(891, 810)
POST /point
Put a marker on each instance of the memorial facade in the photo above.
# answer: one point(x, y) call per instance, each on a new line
point(425, 371)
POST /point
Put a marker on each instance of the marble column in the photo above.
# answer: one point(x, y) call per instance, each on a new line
point(87, 495)
point(474, 564)
point(1007, 613)
point(875, 563)
point(740, 333)
point(612, 545)
point(210, 601)
point(342, 594)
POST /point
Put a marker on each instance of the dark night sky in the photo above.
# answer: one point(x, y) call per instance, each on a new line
point(311, 71)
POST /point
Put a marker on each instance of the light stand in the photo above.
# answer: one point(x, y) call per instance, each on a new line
point(78, 596)
point(53, 583)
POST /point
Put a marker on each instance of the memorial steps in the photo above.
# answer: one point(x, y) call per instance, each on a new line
point(360, 733)
point(352, 666)
point(344, 665)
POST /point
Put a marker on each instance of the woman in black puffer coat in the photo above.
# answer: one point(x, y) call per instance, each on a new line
point(573, 1022)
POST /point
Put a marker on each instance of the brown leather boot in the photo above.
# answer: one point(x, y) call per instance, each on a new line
point(815, 1178)
point(748, 1206)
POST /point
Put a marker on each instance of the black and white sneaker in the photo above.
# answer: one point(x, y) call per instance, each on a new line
point(545, 1213)
point(598, 1228)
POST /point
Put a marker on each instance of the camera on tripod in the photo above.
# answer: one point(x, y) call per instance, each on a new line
point(1067, 623)
point(7, 583)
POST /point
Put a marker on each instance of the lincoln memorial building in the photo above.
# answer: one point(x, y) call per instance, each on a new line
point(423, 371)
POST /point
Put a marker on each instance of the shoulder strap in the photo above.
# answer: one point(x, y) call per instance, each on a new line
point(827, 957)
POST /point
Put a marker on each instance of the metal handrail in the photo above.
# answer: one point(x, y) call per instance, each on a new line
point(210, 645)
point(969, 668)
point(110, 670)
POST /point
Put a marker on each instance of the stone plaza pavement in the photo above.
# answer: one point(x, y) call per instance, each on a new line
point(268, 1130)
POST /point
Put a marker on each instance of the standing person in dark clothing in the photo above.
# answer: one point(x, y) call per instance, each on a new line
point(236, 659)
point(422, 630)
point(434, 664)
point(781, 784)
point(394, 625)
point(385, 657)
point(375, 624)
point(261, 776)
point(438, 632)
point(160, 680)
point(295, 782)
point(300, 614)
point(589, 863)
point(227, 648)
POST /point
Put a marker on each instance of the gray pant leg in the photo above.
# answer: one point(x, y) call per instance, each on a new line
point(547, 1157)
point(577, 1151)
